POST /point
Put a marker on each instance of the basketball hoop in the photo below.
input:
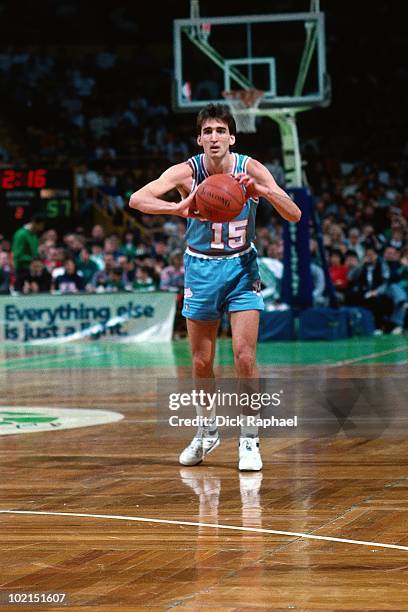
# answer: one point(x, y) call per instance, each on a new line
point(243, 104)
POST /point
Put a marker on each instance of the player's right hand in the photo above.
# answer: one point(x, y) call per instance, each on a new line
point(187, 209)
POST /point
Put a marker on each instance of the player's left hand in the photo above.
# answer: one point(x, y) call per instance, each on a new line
point(252, 188)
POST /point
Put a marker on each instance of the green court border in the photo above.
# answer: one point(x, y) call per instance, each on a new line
point(367, 350)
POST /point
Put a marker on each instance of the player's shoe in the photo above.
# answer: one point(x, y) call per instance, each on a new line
point(198, 448)
point(249, 456)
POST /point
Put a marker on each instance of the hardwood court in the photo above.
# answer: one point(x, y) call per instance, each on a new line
point(106, 480)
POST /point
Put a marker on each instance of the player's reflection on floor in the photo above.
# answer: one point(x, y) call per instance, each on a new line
point(250, 489)
point(208, 489)
point(248, 546)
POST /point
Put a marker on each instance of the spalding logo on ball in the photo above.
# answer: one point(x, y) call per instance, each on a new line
point(220, 198)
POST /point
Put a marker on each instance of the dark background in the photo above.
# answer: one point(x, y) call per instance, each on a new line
point(366, 57)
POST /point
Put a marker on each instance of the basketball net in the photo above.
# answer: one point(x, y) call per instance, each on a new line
point(243, 104)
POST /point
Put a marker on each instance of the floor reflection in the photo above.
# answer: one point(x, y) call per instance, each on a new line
point(208, 490)
point(250, 489)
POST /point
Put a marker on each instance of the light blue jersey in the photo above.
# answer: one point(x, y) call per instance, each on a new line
point(220, 264)
point(221, 238)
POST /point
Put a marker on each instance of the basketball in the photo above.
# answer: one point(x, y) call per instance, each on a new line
point(220, 198)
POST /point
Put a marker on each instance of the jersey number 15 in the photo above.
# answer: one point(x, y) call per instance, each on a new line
point(237, 232)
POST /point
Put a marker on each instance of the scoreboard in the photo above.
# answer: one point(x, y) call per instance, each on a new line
point(25, 191)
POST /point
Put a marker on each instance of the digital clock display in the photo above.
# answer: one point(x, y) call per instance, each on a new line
point(11, 178)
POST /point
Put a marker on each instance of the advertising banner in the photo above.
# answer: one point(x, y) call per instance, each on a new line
point(119, 317)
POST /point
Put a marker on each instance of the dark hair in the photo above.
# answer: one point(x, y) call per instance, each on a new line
point(97, 243)
point(39, 218)
point(338, 253)
point(369, 246)
point(216, 111)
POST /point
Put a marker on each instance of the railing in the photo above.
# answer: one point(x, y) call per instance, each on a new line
point(117, 217)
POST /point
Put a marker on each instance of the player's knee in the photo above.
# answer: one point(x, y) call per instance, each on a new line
point(202, 365)
point(245, 362)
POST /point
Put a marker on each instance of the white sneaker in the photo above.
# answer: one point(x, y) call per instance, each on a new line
point(397, 331)
point(249, 456)
point(198, 448)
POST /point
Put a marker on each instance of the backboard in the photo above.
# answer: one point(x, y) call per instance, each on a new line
point(281, 54)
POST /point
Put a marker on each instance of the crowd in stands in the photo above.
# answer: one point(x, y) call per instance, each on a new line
point(363, 212)
point(70, 113)
point(37, 260)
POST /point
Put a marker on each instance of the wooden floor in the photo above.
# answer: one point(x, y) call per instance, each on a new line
point(346, 488)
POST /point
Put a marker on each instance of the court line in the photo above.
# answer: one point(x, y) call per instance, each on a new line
point(211, 525)
point(398, 349)
point(40, 360)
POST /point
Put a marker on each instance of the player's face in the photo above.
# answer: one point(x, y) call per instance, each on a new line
point(215, 138)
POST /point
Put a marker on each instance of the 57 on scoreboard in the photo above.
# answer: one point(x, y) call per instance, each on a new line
point(25, 191)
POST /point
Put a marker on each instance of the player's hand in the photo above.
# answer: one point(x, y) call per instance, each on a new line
point(187, 209)
point(252, 189)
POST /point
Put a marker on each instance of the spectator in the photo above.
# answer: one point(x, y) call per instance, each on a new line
point(353, 242)
point(271, 270)
point(76, 245)
point(128, 247)
point(338, 271)
point(371, 289)
point(86, 266)
point(403, 272)
point(172, 277)
point(25, 245)
point(70, 281)
point(111, 246)
point(115, 280)
point(36, 280)
point(397, 237)
point(101, 278)
point(392, 258)
point(97, 254)
point(51, 258)
point(87, 181)
point(143, 280)
point(5, 273)
point(55, 261)
point(98, 233)
point(351, 262)
point(128, 268)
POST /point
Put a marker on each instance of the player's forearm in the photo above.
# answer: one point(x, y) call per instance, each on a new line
point(151, 205)
point(285, 206)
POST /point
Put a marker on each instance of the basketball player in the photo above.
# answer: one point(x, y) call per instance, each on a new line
point(221, 271)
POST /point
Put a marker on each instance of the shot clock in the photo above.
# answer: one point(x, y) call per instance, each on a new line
point(24, 192)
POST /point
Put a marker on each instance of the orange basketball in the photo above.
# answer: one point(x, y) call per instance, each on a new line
point(220, 198)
